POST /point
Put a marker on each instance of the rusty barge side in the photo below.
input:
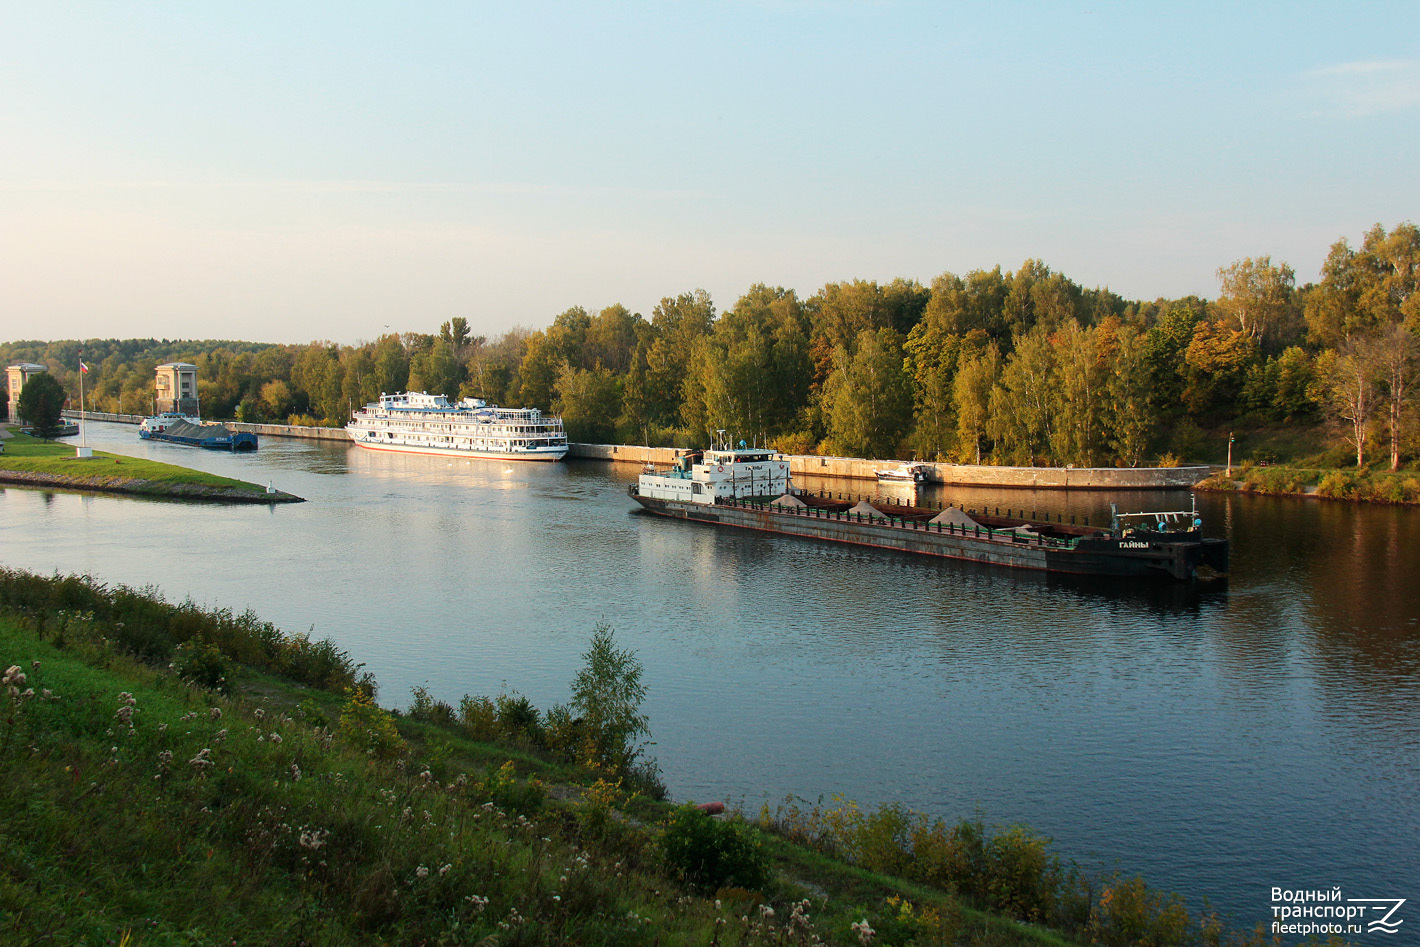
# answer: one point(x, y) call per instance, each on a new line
point(1005, 541)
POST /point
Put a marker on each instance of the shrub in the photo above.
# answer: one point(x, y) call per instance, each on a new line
point(712, 853)
point(504, 790)
point(518, 718)
point(369, 727)
point(197, 661)
point(1024, 876)
point(1338, 484)
point(594, 814)
point(1130, 913)
point(478, 717)
point(428, 710)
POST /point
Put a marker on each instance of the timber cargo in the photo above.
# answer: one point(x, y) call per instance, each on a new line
point(750, 489)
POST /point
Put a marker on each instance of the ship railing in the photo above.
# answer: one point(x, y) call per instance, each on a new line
point(1162, 522)
point(1002, 536)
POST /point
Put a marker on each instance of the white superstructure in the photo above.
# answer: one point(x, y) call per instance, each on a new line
point(159, 423)
point(418, 423)
point(702, 477)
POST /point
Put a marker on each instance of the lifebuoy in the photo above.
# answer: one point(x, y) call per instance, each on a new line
point(720, 469)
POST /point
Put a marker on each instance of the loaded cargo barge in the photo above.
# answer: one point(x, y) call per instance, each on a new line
point(750, 489)
point(181, 429)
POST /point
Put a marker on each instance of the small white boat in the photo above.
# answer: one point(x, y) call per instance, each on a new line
point(903, 473)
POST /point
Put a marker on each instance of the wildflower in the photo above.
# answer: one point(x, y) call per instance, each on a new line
point(312, 838)
point(421, 872)
point(47, 694)
point(14, 677)
point(200, 761)
point(444, 870)
point(215, 713)
point(864, 932)
point(766, 911)
point(478, 903)
point(276, 738)
point(34, 666)
point(295, 773)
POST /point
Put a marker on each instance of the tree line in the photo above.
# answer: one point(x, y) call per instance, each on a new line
point(1024, 367)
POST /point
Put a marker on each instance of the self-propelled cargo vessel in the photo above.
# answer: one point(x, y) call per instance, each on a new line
point(751, 489)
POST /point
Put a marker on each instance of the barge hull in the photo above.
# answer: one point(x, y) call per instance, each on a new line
point(1100, 557)
point(238, 443)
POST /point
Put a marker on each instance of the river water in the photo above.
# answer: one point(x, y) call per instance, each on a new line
point(1221, 741)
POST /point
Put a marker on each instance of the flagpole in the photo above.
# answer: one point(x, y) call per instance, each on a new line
point(83, 428)
point(83, 421)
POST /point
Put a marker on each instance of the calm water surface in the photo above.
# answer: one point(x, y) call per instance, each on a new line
point(1218, 741)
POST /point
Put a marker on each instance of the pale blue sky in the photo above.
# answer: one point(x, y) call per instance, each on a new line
point(291, 171)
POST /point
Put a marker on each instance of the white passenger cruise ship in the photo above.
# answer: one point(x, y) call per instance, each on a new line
point(419, 423)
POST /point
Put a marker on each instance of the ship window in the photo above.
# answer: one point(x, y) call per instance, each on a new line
point(695, 487)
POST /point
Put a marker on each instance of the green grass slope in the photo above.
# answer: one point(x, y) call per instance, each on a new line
point(29, 460)
point(181, 776)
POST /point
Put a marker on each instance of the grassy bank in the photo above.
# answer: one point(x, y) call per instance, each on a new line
point(182, 776)
point(1363, 486)
point(29, 461)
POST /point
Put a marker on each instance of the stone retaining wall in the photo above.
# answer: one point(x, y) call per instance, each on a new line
point(961, 475)
point(291, 430)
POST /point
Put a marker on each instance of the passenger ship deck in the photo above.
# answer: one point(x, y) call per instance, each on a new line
point(420, 423)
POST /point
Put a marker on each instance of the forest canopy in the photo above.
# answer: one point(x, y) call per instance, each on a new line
point(1022, 367)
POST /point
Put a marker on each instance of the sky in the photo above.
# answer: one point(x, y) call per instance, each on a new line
point(292, 171)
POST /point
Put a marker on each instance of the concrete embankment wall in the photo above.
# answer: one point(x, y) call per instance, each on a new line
point(961, 475)
point(105, 416)
point(261, 430)
point(291, 430)
point(623, 453)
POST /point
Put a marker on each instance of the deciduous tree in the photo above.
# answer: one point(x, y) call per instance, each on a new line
point(1346, 382)
point(41, 404)
point(1257, 295)
point(1397, 356)
point(867, 400)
